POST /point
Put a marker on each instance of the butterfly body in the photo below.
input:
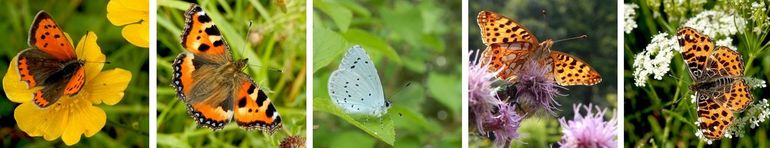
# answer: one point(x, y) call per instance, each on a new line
point(50, 63)
point(212, 83)
point(717, 74)
point(510, 45)
point(355, 86)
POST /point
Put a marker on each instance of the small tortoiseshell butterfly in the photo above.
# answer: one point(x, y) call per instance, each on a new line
point(212, 84)
point(50, 63)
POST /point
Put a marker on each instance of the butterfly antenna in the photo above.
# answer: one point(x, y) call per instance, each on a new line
point(572, 38)
point(82, 49)
point(248, 33)
point(401, 89)
point(673, 77)
point(544, 21)
point(85, 39)
point(243, 49)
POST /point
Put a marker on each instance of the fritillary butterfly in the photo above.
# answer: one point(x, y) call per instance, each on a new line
point(717, 73)
point(509, 45)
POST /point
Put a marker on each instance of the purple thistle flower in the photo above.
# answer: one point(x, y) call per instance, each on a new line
point(480, 92)
point(536, 89)
point(504, 125)
point(488, 112)
point(589, 130)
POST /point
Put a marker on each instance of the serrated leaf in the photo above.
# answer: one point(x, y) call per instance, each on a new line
point(339, 14)
point(328, 45)
point(370, 41)
point(379, 128)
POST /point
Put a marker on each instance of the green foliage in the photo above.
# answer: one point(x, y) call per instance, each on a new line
point(661, 114)
point(410, 42)
point(562, 19)
point(379, 128)
point(128, 121)
point(275, 48)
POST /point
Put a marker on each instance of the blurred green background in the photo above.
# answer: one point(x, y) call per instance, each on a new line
point(127, 121)
point(275, 48)
point(563, 19)
point(660, 113)
point(415, 42)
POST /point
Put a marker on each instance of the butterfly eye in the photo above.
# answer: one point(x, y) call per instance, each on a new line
point(387, 103)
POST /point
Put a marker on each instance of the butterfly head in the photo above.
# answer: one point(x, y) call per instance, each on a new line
point(240, 64)
point(546, 44)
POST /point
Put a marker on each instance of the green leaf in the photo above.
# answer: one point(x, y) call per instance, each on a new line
point(415, 64)
point(339, 14)
point(439, 85)
point(168, 140)
point(356, 7)
point(328, 46)
point(370, 41)
point(379, 128)
point(345, 139)
point(405, 21)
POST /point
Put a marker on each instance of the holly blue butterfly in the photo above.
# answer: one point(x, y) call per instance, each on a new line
point(355, 86)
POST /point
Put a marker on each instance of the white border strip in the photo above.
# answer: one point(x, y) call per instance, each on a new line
point(465, 62)
point(309, 76)
point(153, 74)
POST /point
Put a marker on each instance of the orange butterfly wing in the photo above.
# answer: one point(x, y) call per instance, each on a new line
point(509, 44)
point(506, 59)
point(497, 29)
point(696, 51)
point(46, 35)
point(202, 37)
point(713, 116)
point(253, 110)
point(569, 70)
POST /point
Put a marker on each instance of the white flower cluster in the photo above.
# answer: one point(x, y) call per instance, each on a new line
point(717, 23)
point(727, 42)
point(755, 83)
point(655, 58)
point(759, 16)
point(699, 133)
point(630, 15)
point(763, 109)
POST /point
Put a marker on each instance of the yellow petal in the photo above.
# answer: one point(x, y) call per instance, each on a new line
point(138, 34)
point(15, 89)
point(108, 86)
point(48, 123)
point(91, 53)
point(122, 12)
point(84, 119)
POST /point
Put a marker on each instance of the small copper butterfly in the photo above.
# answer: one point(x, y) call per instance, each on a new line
point(50, 62)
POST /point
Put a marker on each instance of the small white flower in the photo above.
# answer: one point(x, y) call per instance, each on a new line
point(757, 29)
point(727, 42)
point(630, 15)
point(717, 23)
point(759, 17)
point(655, 58)
point(755, 83)
point(762, 111)
point(693, 99)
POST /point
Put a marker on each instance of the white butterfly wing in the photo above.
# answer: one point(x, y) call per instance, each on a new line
point(358, 61)
point(354, 95)
point(355, 86)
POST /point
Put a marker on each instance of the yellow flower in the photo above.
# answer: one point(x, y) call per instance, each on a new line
point(70, 116)
point(135, 15)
